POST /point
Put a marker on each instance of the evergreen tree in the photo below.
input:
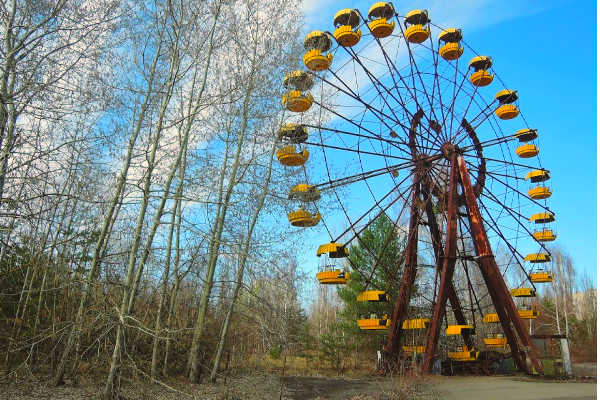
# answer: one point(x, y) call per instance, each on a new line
point(381, 235)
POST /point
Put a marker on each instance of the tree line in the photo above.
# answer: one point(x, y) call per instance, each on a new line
point(136, 170)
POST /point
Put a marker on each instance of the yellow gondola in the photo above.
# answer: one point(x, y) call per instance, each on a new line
point(505, 98)
point(294, 133)
point(507, 111)
point(538, 258)
point(542, 218)
point(333, 250)
point(526, 135)
point(540, 192)
point(417, 29)
point(303, 219)
point(374, 323)
point(316, 43)
point(304, 192)
point(459, 329)
point(299, 80)
point(537, 175)
point(333, 276)
point(495, 340)
point(490, 318)
point(346, 21)
point(463, 354)
point(297, 101)
point(528, 313)
point(288, 156)
point(413, 349)
point(481, 76)
point(373, 296)
point(419, 323)
point(541, 276)
point(523, 292)
point(451, 50)
point(330, 273)
point(544, 235)
point(379, 15)
point(527, 151)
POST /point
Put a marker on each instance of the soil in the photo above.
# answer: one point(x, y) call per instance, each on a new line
point(308, 387)
point(505, 388)
point(267, 387)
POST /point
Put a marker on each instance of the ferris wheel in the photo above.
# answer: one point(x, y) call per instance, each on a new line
point(394, 115)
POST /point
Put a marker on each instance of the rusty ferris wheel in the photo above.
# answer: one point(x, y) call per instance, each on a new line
point(389, 112)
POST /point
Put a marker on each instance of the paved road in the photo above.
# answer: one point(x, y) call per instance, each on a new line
point(510, 388)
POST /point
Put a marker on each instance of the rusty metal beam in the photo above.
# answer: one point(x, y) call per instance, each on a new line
point(505, 307)
point(449, 261)
point(436, 241)
point(408, 275)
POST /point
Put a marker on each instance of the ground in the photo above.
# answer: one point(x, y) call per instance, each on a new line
point(267, 387)
point(509, 388)
point(308, 387)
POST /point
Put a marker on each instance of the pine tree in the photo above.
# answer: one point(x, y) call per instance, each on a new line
point(382, 240)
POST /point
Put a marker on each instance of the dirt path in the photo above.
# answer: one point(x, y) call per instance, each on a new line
point(308, 387)
point(510, 388)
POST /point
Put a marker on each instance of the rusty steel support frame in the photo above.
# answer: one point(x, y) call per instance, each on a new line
point(505, 307)
point(408, 275)
point(447, 271)
point(436, 241)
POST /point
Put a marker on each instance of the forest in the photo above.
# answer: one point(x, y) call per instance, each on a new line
point(141, 210)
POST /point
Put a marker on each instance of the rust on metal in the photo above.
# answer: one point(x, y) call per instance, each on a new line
point(408, 276)
point(438, 250)
point(448, 264)
point(505, 307)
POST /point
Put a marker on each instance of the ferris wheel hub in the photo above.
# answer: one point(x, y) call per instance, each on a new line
point(448, 149)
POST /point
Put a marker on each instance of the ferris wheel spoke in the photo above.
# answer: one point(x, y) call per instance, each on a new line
point(514, 251)
point(486, 112)
point(518, 217)
point(374, 79)
point(362, 128)
point(379, 258)
point(414, 70)
point(518, 192)
point(344, 132)
point(505, 162)
point(419, 215)
point(331, 184)
point(478, 300)
point(380, 114)
point(352, 265)
point(454, 97)
point(436, 81)
point(488, 143)
point(463, 263)
point(378, 85)
point(370, 210)
point(505, 175)
point(352, 150)
point(413, 91)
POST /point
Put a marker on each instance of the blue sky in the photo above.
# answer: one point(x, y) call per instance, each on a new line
point(547, 51)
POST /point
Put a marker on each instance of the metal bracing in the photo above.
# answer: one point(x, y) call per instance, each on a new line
point(505, 307)
point(408, 275)
point(447, 270)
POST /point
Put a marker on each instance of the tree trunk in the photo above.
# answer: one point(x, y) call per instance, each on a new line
point(163, 295)
point(242, 263)
point(76, 329)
